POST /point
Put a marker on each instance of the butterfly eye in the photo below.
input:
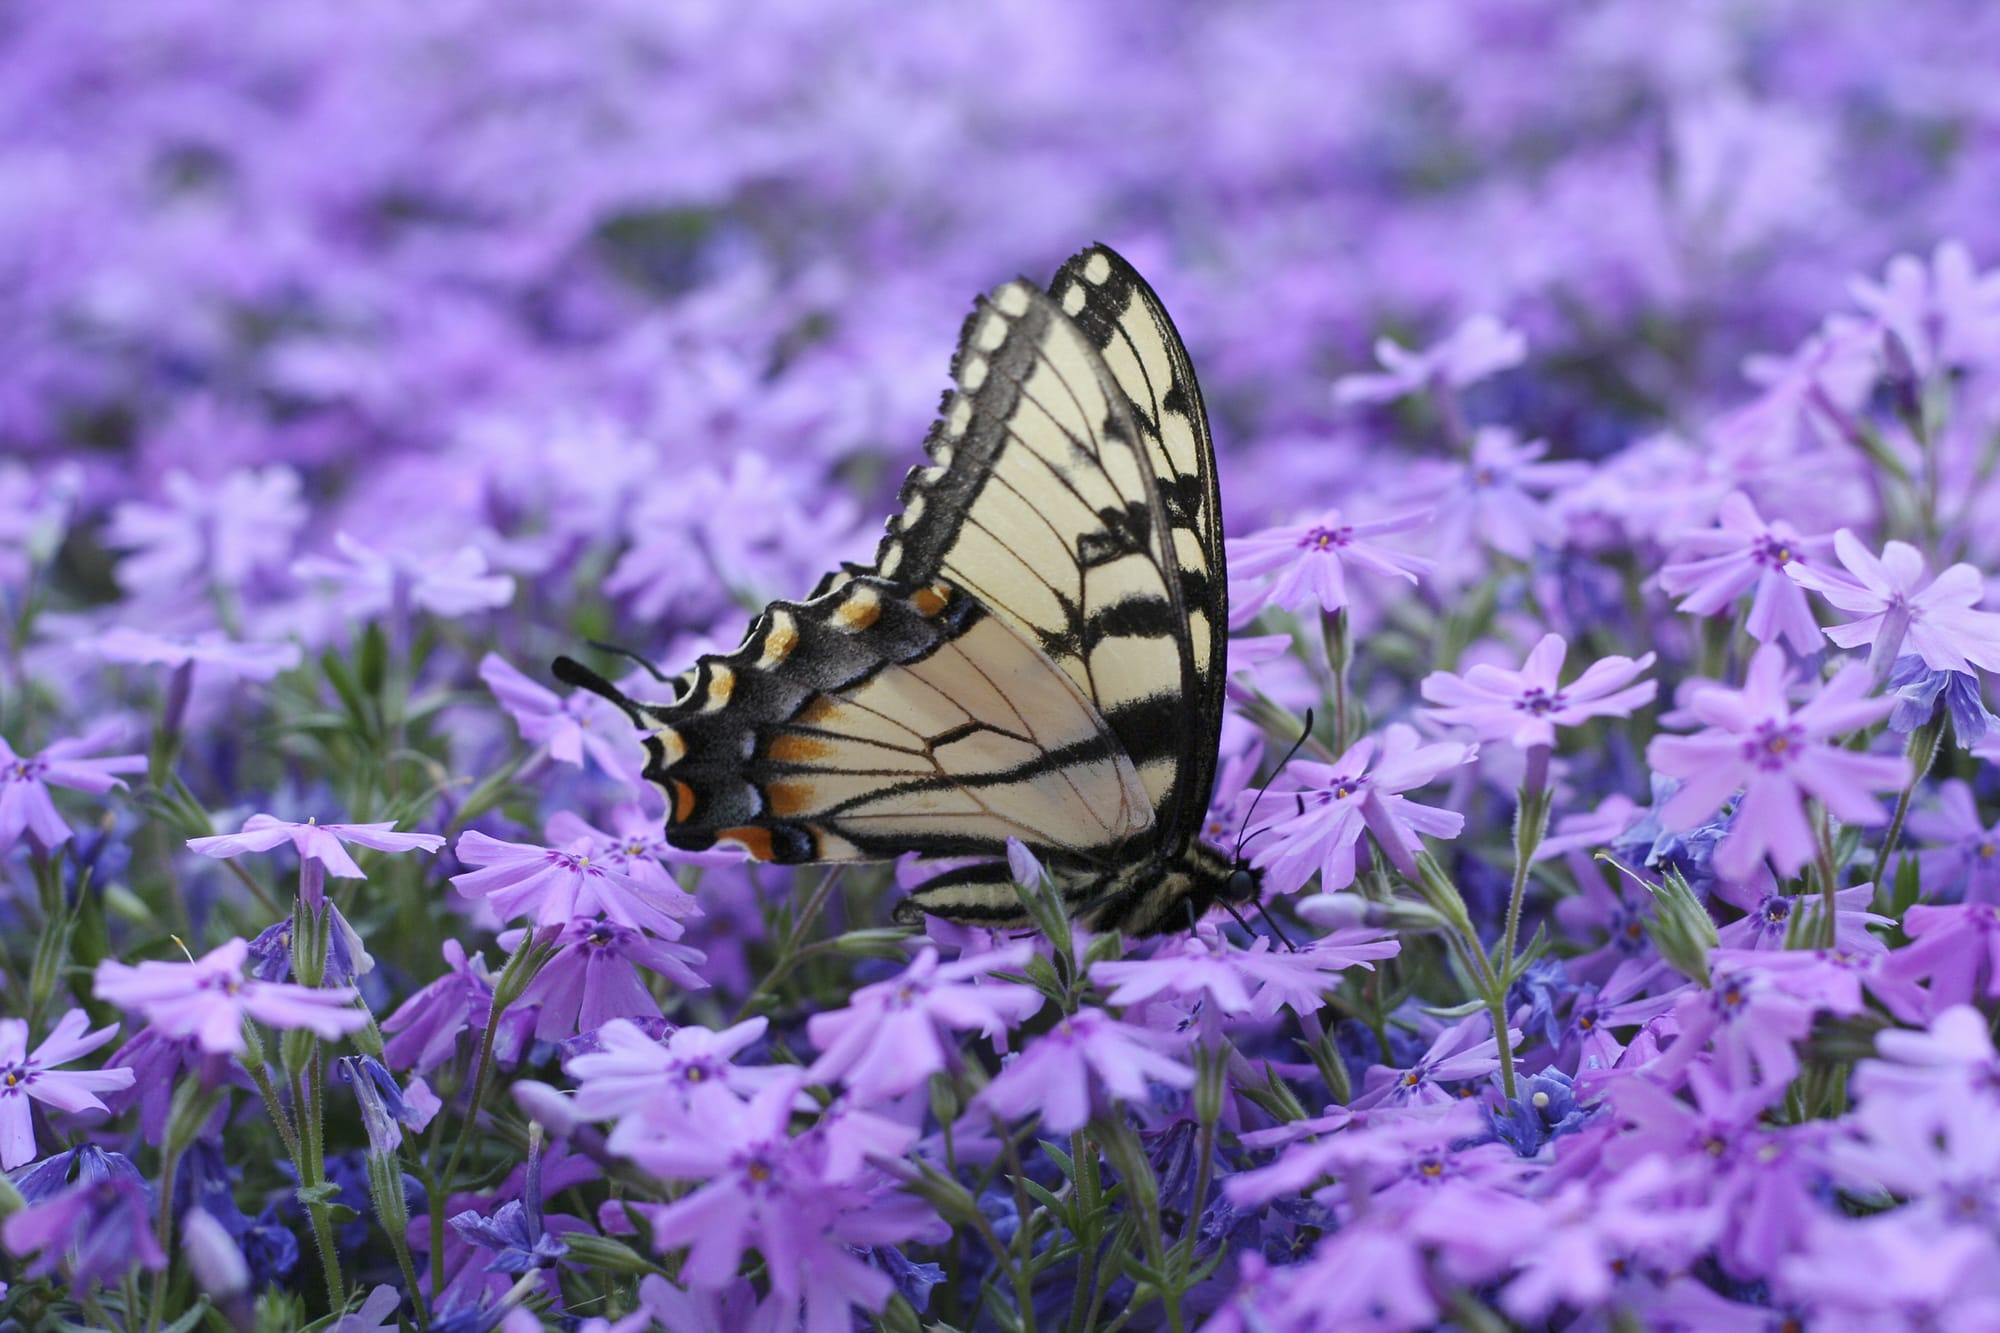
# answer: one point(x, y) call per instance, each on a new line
point(1242, 886)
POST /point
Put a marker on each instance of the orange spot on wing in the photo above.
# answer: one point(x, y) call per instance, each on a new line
point(796, 749)
point(683, 801)
point(756, 841)
point(822, 707)
point(785, 799)
point(929, 601)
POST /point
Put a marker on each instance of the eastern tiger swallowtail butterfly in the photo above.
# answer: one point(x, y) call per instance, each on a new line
point(1037, 651)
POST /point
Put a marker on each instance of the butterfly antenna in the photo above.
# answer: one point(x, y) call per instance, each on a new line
point(1242, 839)
point(575, 674)
point(1276, 929)
point(619, 650)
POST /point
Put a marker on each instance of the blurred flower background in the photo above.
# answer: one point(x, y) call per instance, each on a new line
point(359, 359)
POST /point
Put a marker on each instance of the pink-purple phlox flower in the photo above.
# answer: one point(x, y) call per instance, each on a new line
point(1713, 567)
point(555, 885)
point(1477, 348)
point(25, 807)
point(1334, 804)
point(594, 976)
point(95, 1229)
point(1525, 707)
point(1254, 981)
point(1498, 497)
point(1938, 619)
point(371, 582)
point(1068, 1072)
point(571, 727)
point(1307, 563)
point(315, 841)
point(1946, 315)
point(424, 1030)
point(209, 999)
point(631, 1075)
point(33, 1076)
point(207, 533)
point(1954, 948)
point(1459, 1054)
point(893, 1035)
point(1756, 740)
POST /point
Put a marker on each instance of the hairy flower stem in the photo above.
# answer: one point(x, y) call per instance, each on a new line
point(322, 1229)
point(1531, 822)
point(1828, 881)
point(1083, 1160)
point(1922, 752)
point(788, 952)
point(1339, 657)
point(164, 1224)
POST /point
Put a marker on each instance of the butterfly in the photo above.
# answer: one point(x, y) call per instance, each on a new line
point(1036, 652)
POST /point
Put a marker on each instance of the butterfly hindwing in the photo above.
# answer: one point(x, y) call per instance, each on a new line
point(875, 720)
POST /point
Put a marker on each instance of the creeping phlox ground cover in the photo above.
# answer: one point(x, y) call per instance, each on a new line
point(1608, 403)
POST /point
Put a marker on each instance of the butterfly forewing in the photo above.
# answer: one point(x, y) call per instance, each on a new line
point(1121, 315)
point(1043, 504)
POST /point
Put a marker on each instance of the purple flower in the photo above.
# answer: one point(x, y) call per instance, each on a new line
point(315, 841)
point(1714, 567)
point(1944, 316)
point(1965, 860)
point(893, 1035)
point(1495, 497)
point(1077, 1064)
point(99, 1228)
point(570, 727)
point(1204, 967)
point(1955, 948)
point(1919, 692)
point(1937, 619)
point(1307, 562)
point(251, 661)
point(762, 1188)
point(1360, 791)
point(1525, 707)
point(424, 1030)
point(1589, 1230)
point(1778, 756)
point(554, 886)
point(386, 1109)
point(593, 977)
point(207, 533)
point(25, 807)
point(1458, 1055)
point(630, 1074)
point(209, 999)
point(1479, 347)
point(371, 582)
point(24, 1076)
point(519, 1241)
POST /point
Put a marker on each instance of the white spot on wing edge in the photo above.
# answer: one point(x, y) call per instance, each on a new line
point(1072, 300)
point(972, 373)
point(1096, 268)
point(1012, 299)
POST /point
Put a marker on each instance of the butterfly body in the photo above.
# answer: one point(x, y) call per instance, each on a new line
point(1036, 651)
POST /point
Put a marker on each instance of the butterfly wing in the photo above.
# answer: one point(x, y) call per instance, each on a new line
point(1044, 502)
point(1036, 651)
point(874, 720)
point(1123, 317)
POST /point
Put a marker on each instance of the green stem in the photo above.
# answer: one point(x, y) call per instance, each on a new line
point(1531, 821)
point(1828, 881)
point(789, 950)
point(1083, 1157)
point(442, 1196)
point(164, 1225)
point(1922, 752)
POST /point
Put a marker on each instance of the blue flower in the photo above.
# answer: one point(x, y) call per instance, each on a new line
point(1919, 691)
point(1545, 1109)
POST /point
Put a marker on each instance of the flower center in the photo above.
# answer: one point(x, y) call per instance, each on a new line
point(23, 770)
point(1986, 850)
point(1774, 745)
point(14, 1076)
point(1771, 552)
point(1539, 701)
point(1325, 539)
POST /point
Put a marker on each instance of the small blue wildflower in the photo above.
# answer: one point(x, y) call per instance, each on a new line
point(1546, 1109)
point(913, 1280)
point(85, 1165)
point(1546, 989)
point(1920, 691)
